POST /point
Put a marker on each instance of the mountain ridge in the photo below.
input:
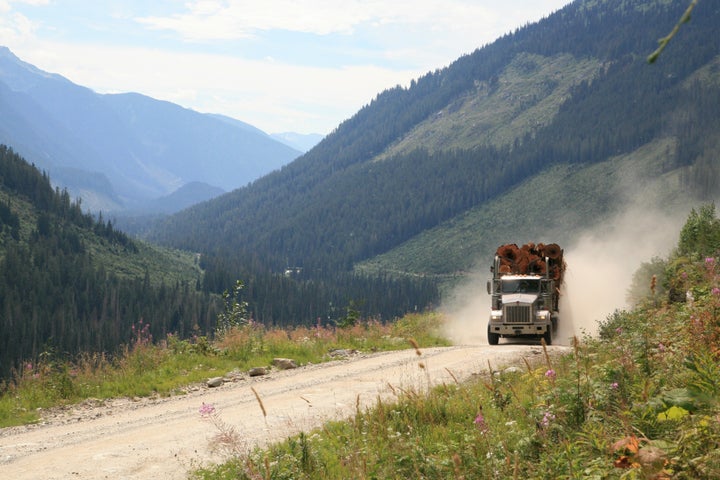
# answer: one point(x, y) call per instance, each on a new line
point(299, 141)
point(144, 148)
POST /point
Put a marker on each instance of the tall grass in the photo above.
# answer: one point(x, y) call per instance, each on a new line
point(641, 401)
point(144, 368)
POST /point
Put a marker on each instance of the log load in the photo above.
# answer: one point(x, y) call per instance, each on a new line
point(532, 259)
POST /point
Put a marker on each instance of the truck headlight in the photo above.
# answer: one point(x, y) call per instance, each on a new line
point(543, 315)
point(496, 315)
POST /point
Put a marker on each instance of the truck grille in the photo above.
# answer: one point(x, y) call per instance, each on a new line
point(518, 314)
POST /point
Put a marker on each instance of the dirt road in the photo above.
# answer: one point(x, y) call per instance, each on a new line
point(164, 438)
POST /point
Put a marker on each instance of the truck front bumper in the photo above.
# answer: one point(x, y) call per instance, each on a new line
point(518, 329)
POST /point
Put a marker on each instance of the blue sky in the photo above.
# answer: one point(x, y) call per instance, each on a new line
point(280, 65)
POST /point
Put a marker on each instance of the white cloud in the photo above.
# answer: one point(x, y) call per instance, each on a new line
point(270, 95)
point(359, 49)
point(237, 19)
point(6, 5)
point(208, 20)
point(14, 27)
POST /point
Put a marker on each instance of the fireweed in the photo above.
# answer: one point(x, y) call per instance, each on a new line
point(226, 439)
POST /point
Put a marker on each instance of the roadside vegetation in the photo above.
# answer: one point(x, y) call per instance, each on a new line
point(146, 367)
point(640, 401)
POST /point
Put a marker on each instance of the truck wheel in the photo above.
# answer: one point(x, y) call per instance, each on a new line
point(493, 338)
point(547, 336)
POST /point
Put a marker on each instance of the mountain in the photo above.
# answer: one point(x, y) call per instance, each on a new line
point(298, 141)
point(73, 283)
point(536, 136)
point(119, 151)
point(185, 196)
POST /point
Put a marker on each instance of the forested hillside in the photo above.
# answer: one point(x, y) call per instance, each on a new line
point(365, 190)
point(71, 283)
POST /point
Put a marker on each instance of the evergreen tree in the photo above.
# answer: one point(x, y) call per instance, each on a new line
point(701, 233)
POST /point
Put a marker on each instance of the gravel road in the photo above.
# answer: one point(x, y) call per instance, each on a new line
point(164, 438)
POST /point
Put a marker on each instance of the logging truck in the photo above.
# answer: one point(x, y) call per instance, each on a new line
point(525, 292)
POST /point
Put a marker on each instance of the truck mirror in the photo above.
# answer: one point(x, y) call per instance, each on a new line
point(488, 288)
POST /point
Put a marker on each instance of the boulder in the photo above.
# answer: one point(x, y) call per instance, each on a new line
point(234, 376)
point(344, 352)
point(215, 382)
point(284, 363)
point(257, 371)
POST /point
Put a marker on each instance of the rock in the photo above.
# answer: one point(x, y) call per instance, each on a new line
point(284, 363)
point(513, 370)
point(342, 352)
point(234, 376)
point(257, 371)
point(652, 459)
point(215, 382)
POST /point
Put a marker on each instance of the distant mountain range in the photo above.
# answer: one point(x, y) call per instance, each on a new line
point(298, 141)
point(125, 151)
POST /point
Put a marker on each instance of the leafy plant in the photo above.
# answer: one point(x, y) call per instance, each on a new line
point(235, 313)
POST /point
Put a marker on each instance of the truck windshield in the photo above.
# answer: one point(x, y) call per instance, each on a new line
point(520, 286)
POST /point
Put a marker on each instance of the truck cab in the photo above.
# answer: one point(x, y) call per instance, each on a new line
point(522, 305)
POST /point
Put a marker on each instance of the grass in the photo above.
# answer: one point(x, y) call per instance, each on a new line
point(640, 401)
point(526, 96)
point(162, 265)
point(145, 369)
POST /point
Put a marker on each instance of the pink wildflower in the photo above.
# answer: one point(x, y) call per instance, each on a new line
point(710, 265)
point(614, 385)
point(206, 409)
point(547, 419)
point(550, 374)
point(716, 291)
point(480, 423)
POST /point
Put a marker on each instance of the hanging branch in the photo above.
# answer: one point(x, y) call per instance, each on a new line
point(665, 40)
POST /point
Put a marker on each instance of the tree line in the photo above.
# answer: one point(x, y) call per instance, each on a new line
point(55, 297)
point(297, 297)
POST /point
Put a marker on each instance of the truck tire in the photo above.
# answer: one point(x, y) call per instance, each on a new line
point(547, 336)
point(493, 338)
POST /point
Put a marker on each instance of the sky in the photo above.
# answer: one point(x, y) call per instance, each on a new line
point(300, 66)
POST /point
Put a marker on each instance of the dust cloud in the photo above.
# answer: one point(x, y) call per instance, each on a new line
point(600, 266)
point(468, 309)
